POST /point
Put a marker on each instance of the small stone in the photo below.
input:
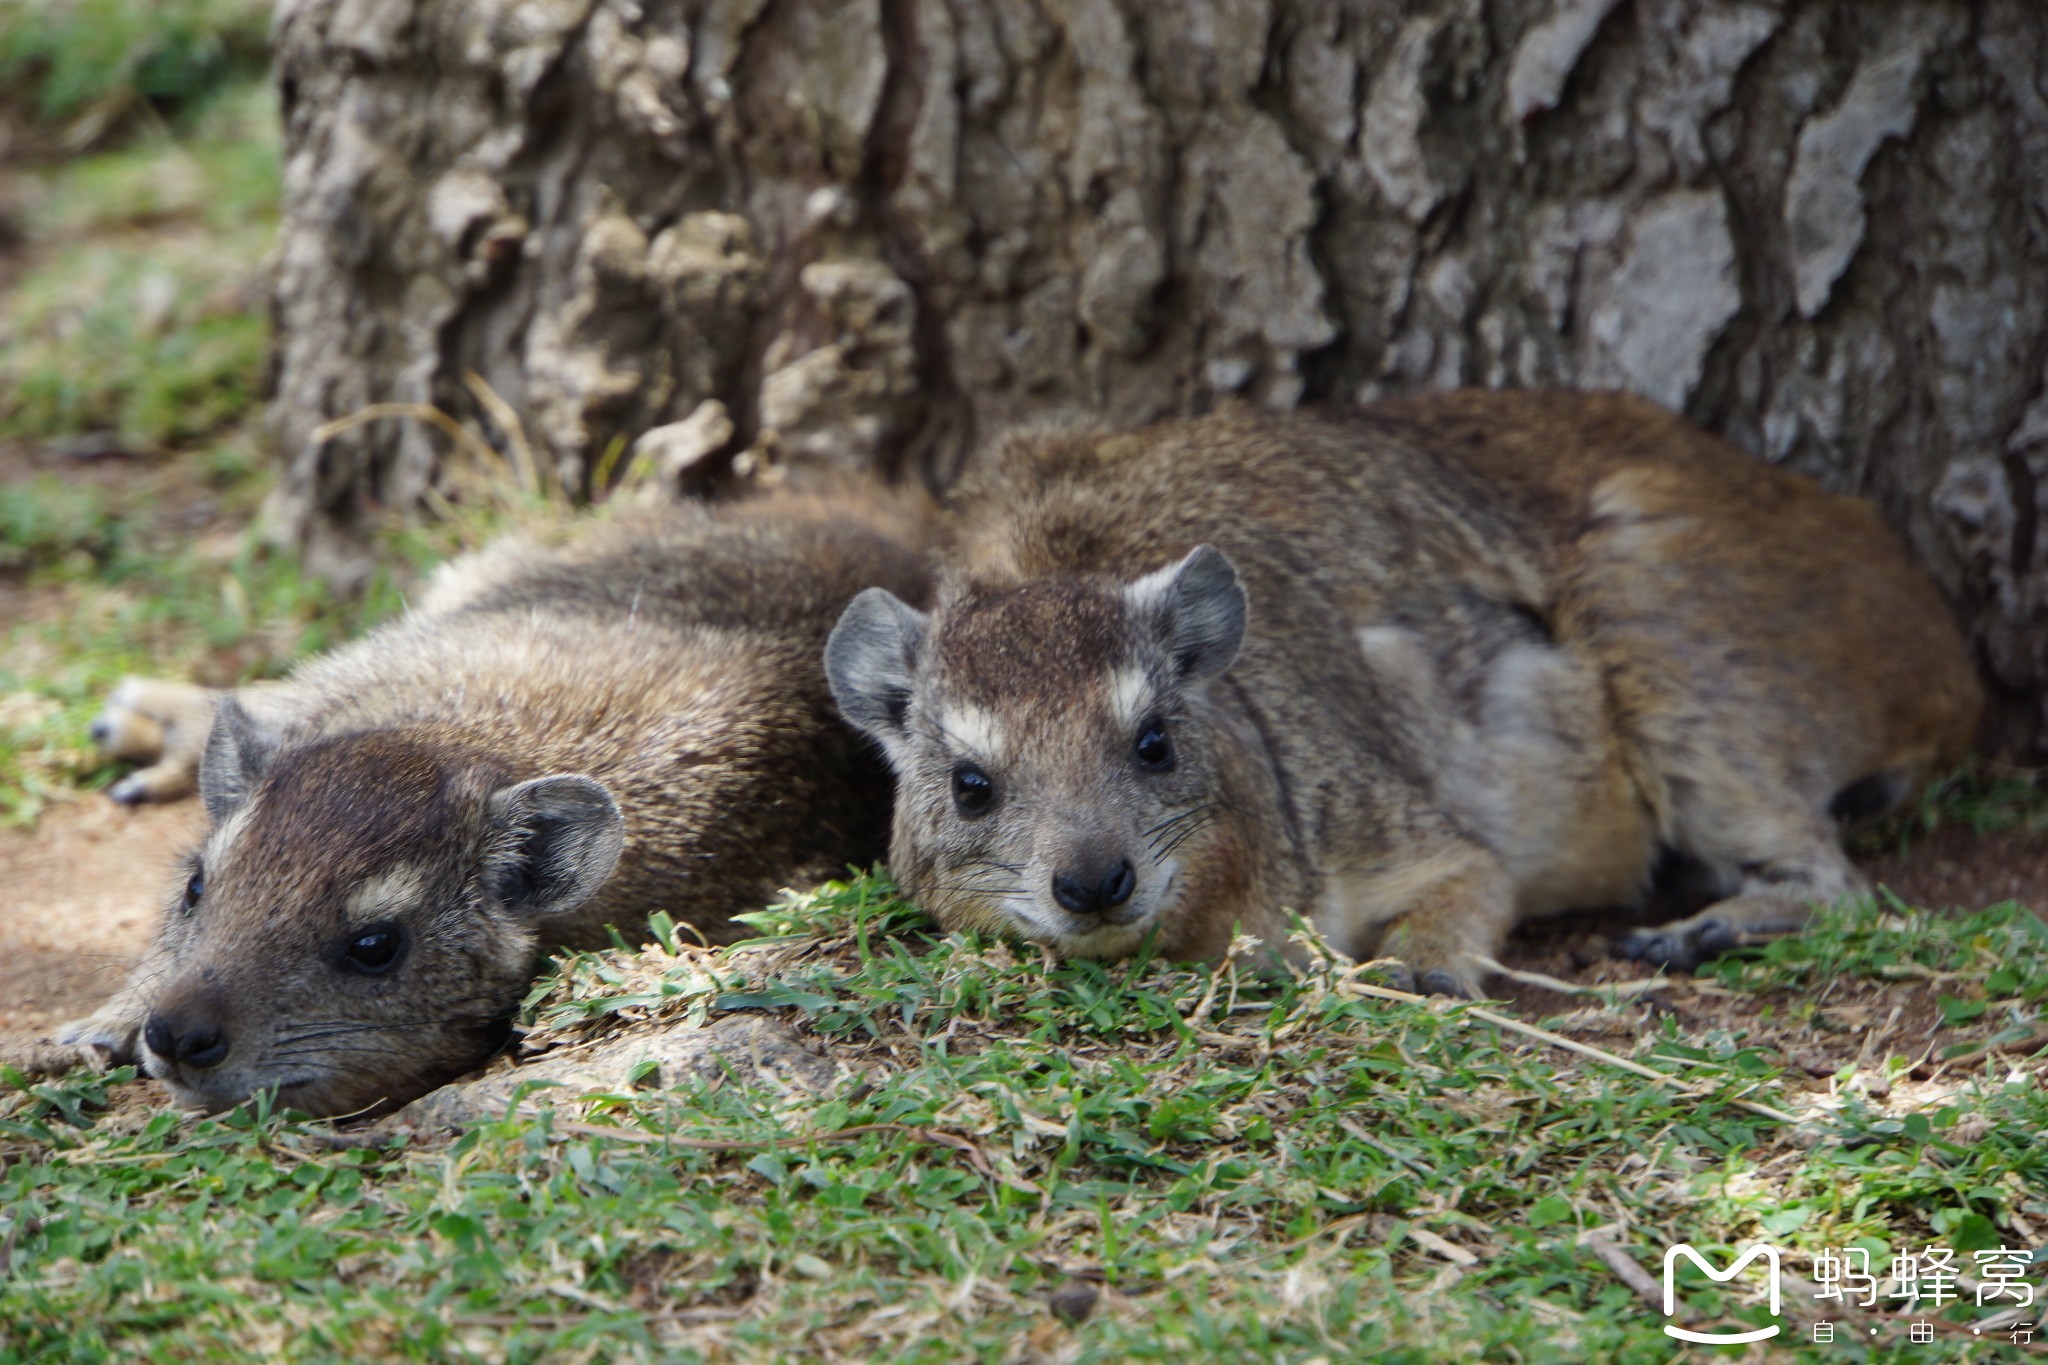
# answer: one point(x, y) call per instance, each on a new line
point(1073, 1301)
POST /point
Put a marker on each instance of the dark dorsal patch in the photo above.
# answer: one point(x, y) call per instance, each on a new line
point(329, 814)
point(1050, 637)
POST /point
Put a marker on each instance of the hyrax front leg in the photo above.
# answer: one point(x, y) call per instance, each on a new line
point(111, 1034)
point(1444, 915)
point(1776, 893)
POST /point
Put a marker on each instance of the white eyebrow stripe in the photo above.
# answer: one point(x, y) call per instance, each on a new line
point(1130, 693)
point(387, 893)
point(974, 729)
point(230, 830)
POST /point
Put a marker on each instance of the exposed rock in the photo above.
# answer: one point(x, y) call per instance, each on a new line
point(752, 1049)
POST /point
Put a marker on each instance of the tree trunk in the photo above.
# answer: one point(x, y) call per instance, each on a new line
point(868, 232)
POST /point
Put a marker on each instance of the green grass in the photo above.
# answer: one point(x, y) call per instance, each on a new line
point(66, 58)
point(1985, 797)
point(137, 312)
point(123, 597)
point(149, 322)
point(1246, 1168)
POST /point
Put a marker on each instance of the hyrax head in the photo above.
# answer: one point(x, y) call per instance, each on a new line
point(1056, 754)
point(361, 921)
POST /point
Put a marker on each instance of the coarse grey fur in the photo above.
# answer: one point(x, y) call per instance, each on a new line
point(1501, 651)
point(554, 741)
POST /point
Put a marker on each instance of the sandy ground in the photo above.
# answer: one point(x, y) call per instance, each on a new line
point(83, 889)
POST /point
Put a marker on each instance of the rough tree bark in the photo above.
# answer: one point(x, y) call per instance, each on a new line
point(869, 231)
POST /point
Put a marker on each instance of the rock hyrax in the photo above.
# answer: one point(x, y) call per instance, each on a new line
point(1415, 670)
point(554, 741)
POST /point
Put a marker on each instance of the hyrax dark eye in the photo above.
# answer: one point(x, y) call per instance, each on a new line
point(375, 950)
point(194, 889)
point(972, 790)
point(1155, 751)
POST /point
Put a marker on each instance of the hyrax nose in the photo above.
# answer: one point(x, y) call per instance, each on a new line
point(1093, 888)
point(197, 1043)
point(100, 732)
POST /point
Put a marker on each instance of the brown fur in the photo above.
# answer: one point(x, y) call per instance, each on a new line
point(1503, 650)
point(414, 783)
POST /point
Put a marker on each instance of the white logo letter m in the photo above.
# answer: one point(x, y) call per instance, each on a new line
point(1770, 1257)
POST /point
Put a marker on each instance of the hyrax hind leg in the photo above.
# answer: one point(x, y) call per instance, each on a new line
point(1776, 660)
point(1779, 868)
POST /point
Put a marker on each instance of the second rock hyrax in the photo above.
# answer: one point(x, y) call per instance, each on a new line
point(554, 741)
point(1416, 671)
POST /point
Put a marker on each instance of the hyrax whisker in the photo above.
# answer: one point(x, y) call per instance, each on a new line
point(973, 889)
point(317, 1041)
point(352, 1050)
point(971, 893)
point(337, 1029)
point(1163, 829)
point(1161, 855)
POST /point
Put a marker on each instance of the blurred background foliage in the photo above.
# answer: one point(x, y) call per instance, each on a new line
point(139, 188)
point(89, 65)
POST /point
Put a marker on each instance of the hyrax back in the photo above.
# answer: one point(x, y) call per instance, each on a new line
point(1415, 670)
point(555, 741)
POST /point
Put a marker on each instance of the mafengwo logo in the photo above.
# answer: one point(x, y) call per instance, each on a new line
point(1756, 1252)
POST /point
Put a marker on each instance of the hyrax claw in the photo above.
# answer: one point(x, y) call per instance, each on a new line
point(108, 1036)
point(1442, 981)
point(1661, 948)
point(1427, 667)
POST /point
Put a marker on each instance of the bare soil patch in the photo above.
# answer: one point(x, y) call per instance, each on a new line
point(83, 890)
point(1957, 868)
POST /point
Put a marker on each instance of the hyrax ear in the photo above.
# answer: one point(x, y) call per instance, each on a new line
point(1198, 609)
point(239, 749)
point(870, 662)
point(563, 838)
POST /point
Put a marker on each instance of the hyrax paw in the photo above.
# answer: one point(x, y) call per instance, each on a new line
point(1426, 965)
point(46, 1058)
point(1683, 946)
point(99, 1042)
point(1433, 980)
point(1444, 981)
point(129, 791)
